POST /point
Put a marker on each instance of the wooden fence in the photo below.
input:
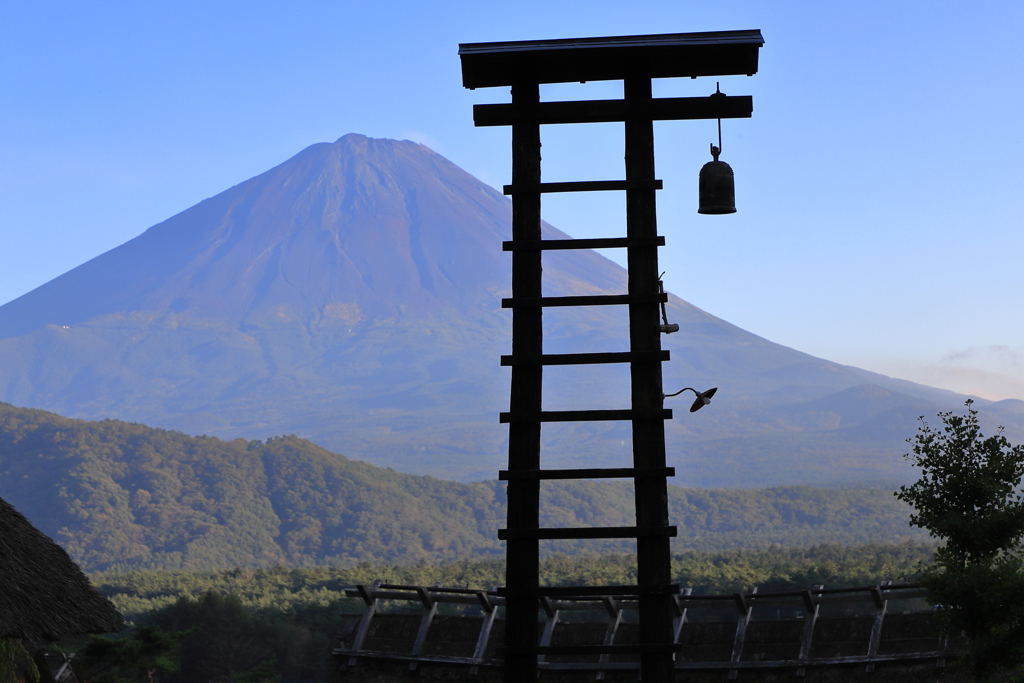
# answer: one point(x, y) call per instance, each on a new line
point(795, 629)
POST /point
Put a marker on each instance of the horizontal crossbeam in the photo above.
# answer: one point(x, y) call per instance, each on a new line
point(585, 416)
point(589, 591)
point(905, 657)
point(432, 589)
point(678, 55)
point(636, 649)
point(587, 243)
point(600, 300)
point(786, 599)
point(549, 534)
point(817, 661)
point(583, 186)
point(587, 358)
point(611, 111)
point(595, 473)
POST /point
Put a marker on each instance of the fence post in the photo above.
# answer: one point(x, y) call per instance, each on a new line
point(549, 623)
point(680, 620)
point(876, 627)
point(429, 610)
point(490, 612)
point(809, 621)
point(364, 623)
point(741, 630)
point(614, 619)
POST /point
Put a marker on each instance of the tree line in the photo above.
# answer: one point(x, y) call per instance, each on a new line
point(259, 625)
point(120, 497)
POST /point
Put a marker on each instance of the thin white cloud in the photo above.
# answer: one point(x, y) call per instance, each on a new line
point(423, 139)
point(996, 355)
point(992, 372)
point(975, 381)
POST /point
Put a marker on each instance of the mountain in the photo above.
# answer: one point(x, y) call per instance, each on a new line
point(123, 496)
point(351, 296)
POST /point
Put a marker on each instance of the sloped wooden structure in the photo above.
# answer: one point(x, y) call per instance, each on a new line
point(792, 632)
point(44, 595)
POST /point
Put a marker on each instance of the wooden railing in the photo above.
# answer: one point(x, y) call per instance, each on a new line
point(801, 608)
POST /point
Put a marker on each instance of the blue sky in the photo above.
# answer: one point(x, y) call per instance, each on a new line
point(878, 183)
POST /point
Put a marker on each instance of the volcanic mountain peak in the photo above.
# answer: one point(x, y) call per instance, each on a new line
point(357, 228)
point(352, 295)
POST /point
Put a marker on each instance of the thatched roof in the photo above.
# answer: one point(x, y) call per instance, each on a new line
point(43, 593)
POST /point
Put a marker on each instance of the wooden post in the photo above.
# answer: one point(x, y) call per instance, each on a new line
point(811, 605)
point(742, 620)
point(522, 553)
point(651, 493)
point(550, 622)
point(364, 623)
point(876, 627)
point(614, 620)
point(429, 611)
point(680, 618)
point(490, 611)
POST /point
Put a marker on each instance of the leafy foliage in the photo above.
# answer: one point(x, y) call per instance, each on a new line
point(969, 496)
point(228, 641)
point(145, 652)
point(121, 496)
point(968, 493)
point(16, 664)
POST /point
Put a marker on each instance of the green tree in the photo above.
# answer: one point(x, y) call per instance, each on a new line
point(264, 672)
point(969, 497)
point(228, 642)
point(148, 651)
point(16, 664)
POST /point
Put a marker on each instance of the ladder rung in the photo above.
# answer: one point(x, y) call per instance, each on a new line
point(600, 300)
point(589, 243)
point(583, 186)
point(585, 416)
point(598, 473)
point(587, 532)
point(587, 358)
point(637, 649)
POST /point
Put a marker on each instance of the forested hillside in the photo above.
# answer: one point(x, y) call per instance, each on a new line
point(126, 496)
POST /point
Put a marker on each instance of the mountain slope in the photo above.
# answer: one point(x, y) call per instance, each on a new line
point(127, 496)
point(351, 295)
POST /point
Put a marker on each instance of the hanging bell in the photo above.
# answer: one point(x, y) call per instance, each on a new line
point(717, 187)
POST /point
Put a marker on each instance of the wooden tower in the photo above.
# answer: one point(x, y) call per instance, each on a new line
point(635, 60)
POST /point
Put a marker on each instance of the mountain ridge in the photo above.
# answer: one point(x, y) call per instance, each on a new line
point(124, 496)
point(351, 295)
